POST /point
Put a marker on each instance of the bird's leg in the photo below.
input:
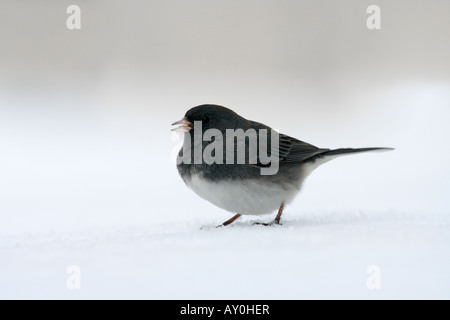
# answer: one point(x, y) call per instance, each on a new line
point(230, 221)
point(277, 218)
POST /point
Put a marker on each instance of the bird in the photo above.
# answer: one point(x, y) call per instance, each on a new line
point(240, 187)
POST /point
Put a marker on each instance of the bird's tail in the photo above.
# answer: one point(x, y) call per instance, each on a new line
point(346, 151)
point(326, 155)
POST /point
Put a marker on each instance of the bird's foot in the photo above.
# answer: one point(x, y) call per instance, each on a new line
point(273, 223)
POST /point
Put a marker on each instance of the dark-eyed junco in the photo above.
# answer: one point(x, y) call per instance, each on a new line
point(224, 156)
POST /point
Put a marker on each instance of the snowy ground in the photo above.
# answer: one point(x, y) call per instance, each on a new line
point(312, 256)
point(106, 198)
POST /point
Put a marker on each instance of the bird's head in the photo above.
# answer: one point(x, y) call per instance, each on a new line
point(211, 117)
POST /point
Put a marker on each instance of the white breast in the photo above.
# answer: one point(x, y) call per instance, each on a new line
point(244, 197)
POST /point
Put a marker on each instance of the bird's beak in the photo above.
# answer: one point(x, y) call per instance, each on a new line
point(184, 125)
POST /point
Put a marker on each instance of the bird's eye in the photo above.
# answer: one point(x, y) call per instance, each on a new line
point(205, 119)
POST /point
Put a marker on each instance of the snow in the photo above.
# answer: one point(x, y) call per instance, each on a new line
point(102, 193)
point(106, 197)
point(311, 256)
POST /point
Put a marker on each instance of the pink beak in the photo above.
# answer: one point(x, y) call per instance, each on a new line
point(185, 125)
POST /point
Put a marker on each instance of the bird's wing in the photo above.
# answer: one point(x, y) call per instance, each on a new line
point(292, 150)
point(289, 151)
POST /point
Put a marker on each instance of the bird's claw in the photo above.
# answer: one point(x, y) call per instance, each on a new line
point(274, 222)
